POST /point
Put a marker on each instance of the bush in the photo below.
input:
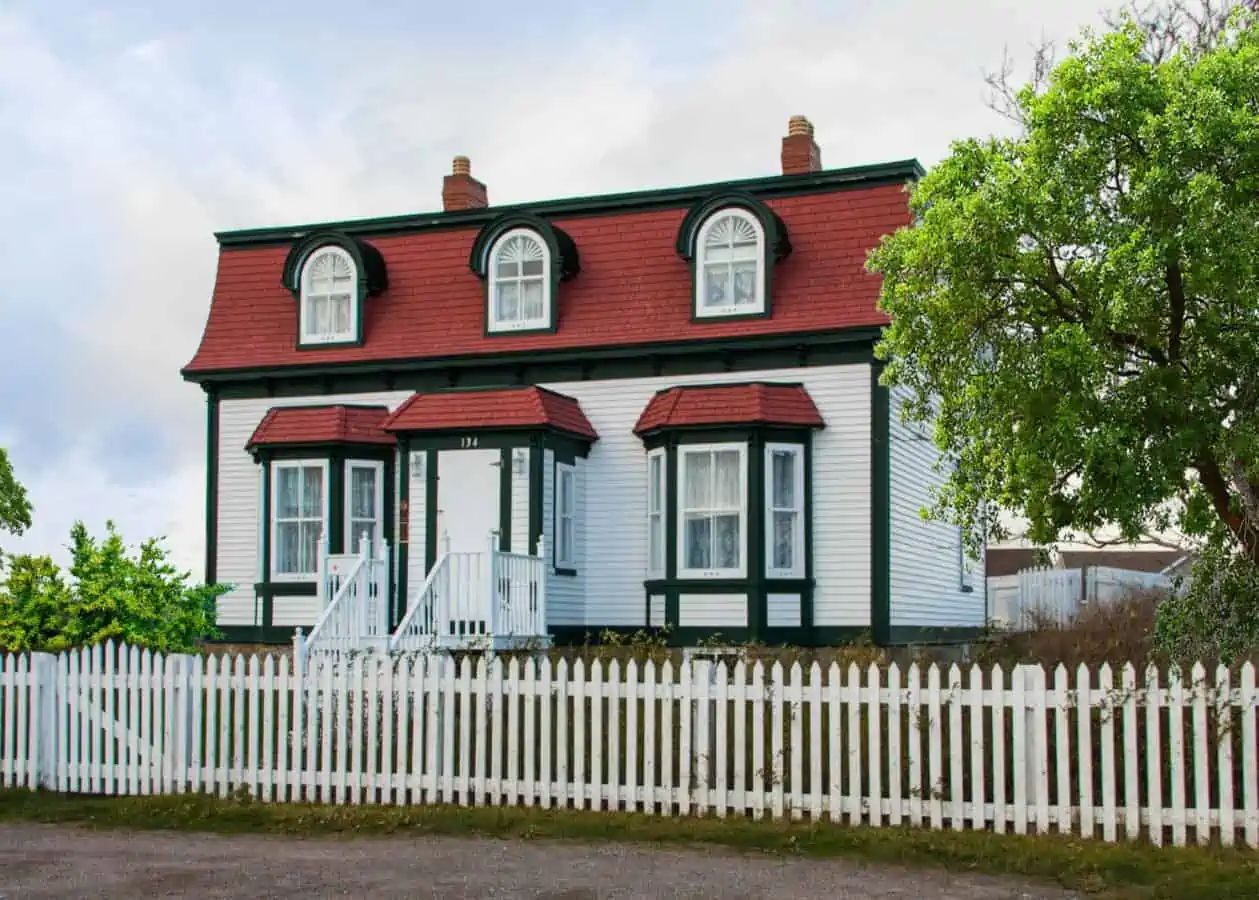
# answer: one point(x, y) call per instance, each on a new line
point(1217, 617)
point(140, 599)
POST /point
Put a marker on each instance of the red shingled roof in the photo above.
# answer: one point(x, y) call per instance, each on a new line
point(633, 289)
point(730, 404)
point(524, 407)
point(322, 425)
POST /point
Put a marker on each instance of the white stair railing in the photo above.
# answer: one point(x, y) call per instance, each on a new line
point(357, 616)
point(519, 582)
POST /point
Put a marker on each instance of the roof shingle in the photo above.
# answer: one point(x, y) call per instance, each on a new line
point(523, 407)
point(730, 404)
point(334, 424)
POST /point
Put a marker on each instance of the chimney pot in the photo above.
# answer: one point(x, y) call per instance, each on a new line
point(800, 153)
point(460, 190)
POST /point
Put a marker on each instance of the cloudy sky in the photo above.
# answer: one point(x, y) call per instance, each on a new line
point(130, 131)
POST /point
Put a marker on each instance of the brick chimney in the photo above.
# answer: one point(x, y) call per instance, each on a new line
point(460, 190)
point(800, 153)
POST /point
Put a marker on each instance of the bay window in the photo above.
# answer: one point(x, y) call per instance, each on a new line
point(712, 511)
point(784, 511)
point(299, 504)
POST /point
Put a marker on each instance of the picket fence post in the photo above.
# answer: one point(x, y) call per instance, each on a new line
point(46, 708)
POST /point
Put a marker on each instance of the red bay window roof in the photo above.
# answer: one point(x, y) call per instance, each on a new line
point(335, 424)
point(523, 407)
point(730, 404)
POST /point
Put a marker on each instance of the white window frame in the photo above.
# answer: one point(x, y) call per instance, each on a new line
point(739, 571)
point(702, 309)
point(565, 557)
point(379, 468)
point(491, 273)
point(276, 467)
point(657, 500)
point(798, 532)
point(304, 316)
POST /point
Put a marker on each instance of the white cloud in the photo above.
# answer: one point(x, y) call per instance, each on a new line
point(162, 154)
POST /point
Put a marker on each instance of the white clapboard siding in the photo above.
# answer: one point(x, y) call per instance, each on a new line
point(1107, 754)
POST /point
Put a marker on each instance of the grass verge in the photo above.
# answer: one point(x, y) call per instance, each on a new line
point(1130, 871)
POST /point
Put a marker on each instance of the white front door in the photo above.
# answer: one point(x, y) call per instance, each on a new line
point(467, 499)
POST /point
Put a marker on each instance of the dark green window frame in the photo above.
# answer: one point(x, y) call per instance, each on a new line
point(370, 279)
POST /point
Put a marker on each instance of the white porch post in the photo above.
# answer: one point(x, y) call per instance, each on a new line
point(492, 572)
point(539, 616)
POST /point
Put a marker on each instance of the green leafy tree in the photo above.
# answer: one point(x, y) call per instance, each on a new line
point(1077, 305)
point(139, 599)
point(15, 507)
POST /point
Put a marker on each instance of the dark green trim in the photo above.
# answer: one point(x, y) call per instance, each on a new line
point(211, 485)
point(514, 368)
point(430, 509)
point(256, 634)
point(264, 571)
point(896, 172)
point(671, 610)
point(402, 553)
point(504, 498)
point(914, 634)
point(493, 439)
point(776, 242)
point(880, 510)
point(537, 476)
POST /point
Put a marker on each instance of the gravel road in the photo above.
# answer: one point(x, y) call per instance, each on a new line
point(44, 862)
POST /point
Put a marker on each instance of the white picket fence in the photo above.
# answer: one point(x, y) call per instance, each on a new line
point(1163, 757)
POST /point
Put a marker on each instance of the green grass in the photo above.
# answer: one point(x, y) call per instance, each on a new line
point(1116, 871)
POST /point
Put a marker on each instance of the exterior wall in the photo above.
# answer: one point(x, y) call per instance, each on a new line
point(417, 525)
point(519, 504)
point(239, 530)
point(611, 503)
point(926, 556)
point(615, 508)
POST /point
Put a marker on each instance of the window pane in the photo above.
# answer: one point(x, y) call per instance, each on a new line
point(508, 301)
point(318, 315)
point(286, 540)
point(312, 492)
point(507, 269)
point(286, 493)
point(532, 304)
point(655, 543)
point(698, 481)
point(717, 285)
point(729, 478)
point(784, 477)
point(698, 547)
point(308, 549)
point(341, 313)
point(726, 553)
point(566, 539)
point(784, 540)
point(531, 267)
point(360, 531)
point(362, 493)
point(745, 282)
point(655, 479)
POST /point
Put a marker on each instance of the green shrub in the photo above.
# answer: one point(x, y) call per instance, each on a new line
point(1217, 616)
point(139, 599)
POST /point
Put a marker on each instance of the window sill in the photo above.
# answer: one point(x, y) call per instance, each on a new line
point(710, 574)
point(541, 325)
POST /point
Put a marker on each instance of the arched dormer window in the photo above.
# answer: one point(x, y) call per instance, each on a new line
point(328, 308)
point(520, 291)
point(732, 241)
point(728, 272)
point(330, 274)
point(523, 259)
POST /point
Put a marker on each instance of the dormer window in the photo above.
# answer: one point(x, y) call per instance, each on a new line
point(328, 307)
point(330, 274)
point(732, 254)
point(520, 291)
point(732, 241)
point(523, 259)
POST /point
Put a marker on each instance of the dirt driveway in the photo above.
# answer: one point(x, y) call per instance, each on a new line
point(39, 861)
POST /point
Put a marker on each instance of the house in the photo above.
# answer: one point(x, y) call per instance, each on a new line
point(612, 412)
